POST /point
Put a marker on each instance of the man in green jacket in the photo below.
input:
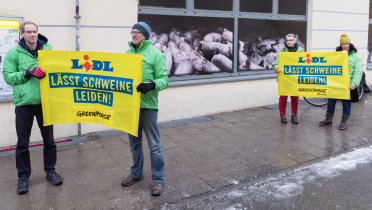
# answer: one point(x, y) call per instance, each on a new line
point(154, 79)
point(22, 72)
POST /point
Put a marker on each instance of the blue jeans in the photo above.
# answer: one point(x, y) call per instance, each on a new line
point(346, 105)
point(148, 123)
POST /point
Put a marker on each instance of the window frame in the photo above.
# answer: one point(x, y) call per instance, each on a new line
point(235, 14)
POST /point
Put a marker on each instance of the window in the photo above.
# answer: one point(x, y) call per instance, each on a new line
point(292, 7)
point(163, 3)
point(193, 45)
point(261, 40)
point(221, 5)
point(222, 40)
point(261, 6)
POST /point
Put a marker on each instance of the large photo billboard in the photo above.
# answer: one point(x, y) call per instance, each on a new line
point(193, 45)
point(261, 40)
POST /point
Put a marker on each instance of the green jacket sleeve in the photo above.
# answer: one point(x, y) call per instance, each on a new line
point(11, 74)
point(358, 71)
point(161, 72)
point(276, 64)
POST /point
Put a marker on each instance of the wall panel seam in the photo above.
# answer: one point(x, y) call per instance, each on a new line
point(339, 30)
point(351, 13)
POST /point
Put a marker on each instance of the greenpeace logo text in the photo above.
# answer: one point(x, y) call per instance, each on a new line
point(312, 90)
point(93, 114)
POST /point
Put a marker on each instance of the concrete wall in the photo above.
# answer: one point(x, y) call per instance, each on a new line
point(105, 28)
point(331, 18)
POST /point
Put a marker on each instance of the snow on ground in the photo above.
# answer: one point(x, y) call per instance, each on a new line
point(290, 184)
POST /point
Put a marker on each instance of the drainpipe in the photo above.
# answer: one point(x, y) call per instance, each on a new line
point(77, 17)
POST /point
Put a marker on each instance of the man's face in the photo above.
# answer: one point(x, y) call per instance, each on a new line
point(137, 37)
point(290, 41)
point(345, 46)
point(30, 34)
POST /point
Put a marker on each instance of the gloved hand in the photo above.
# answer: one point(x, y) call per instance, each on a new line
point(277, 70)
point(35, 71)
point(145, 87)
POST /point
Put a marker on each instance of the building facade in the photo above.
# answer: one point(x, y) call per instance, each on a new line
point(236, 74)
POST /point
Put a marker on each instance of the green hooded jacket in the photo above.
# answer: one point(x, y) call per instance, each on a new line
point(153, 69)
point(355, 68)
point(25, 91)
point(276, 64)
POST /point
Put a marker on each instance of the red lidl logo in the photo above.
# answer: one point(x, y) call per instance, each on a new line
point(96, 66)
point(313, 60)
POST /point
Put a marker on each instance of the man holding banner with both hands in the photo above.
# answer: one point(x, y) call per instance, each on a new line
point(324, 75)
point(155, 78)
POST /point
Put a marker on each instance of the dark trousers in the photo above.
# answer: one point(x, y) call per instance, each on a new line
point(346, 106)
point(24, 120)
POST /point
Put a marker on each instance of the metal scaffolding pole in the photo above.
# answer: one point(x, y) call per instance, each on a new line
point(77, 17)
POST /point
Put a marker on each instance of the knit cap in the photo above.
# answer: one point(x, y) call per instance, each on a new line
point(144, 27)
point(344, 39)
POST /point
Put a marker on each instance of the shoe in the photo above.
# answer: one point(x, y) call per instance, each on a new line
point(22, 186)
point(54, 178)
point(327, 120)
point(283, 119)
point(344, 122)
point(157, 189)
point(294, 118)
point(130, 181)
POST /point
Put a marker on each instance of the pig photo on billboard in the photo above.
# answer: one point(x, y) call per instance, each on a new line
point(193, 45)
point(261, 40)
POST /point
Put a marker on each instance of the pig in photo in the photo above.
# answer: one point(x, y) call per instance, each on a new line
point(261, 40)
point(190, 43)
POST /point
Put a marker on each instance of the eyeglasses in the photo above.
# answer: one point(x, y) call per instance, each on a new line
point(289, 40)
point(134, 33)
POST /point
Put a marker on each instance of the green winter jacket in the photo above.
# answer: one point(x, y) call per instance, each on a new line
point(153, 69)
point(355, 68)
point(25, 91)
point(276, 64)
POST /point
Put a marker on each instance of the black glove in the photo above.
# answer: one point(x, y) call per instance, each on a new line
point(35, 71)
point(145, 87)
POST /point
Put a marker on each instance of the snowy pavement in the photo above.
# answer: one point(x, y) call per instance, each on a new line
point(213, 154)
point(286, 190)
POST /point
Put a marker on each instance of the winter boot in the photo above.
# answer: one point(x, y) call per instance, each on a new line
point(344, 122)
point(328, 119)
point(283, 118)
point(294, 118)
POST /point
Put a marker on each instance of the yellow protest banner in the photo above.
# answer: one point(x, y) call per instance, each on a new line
point(91, 87)
point(314, 74)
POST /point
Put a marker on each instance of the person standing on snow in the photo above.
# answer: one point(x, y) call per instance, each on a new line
point(22, 72)
point(154, 79)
